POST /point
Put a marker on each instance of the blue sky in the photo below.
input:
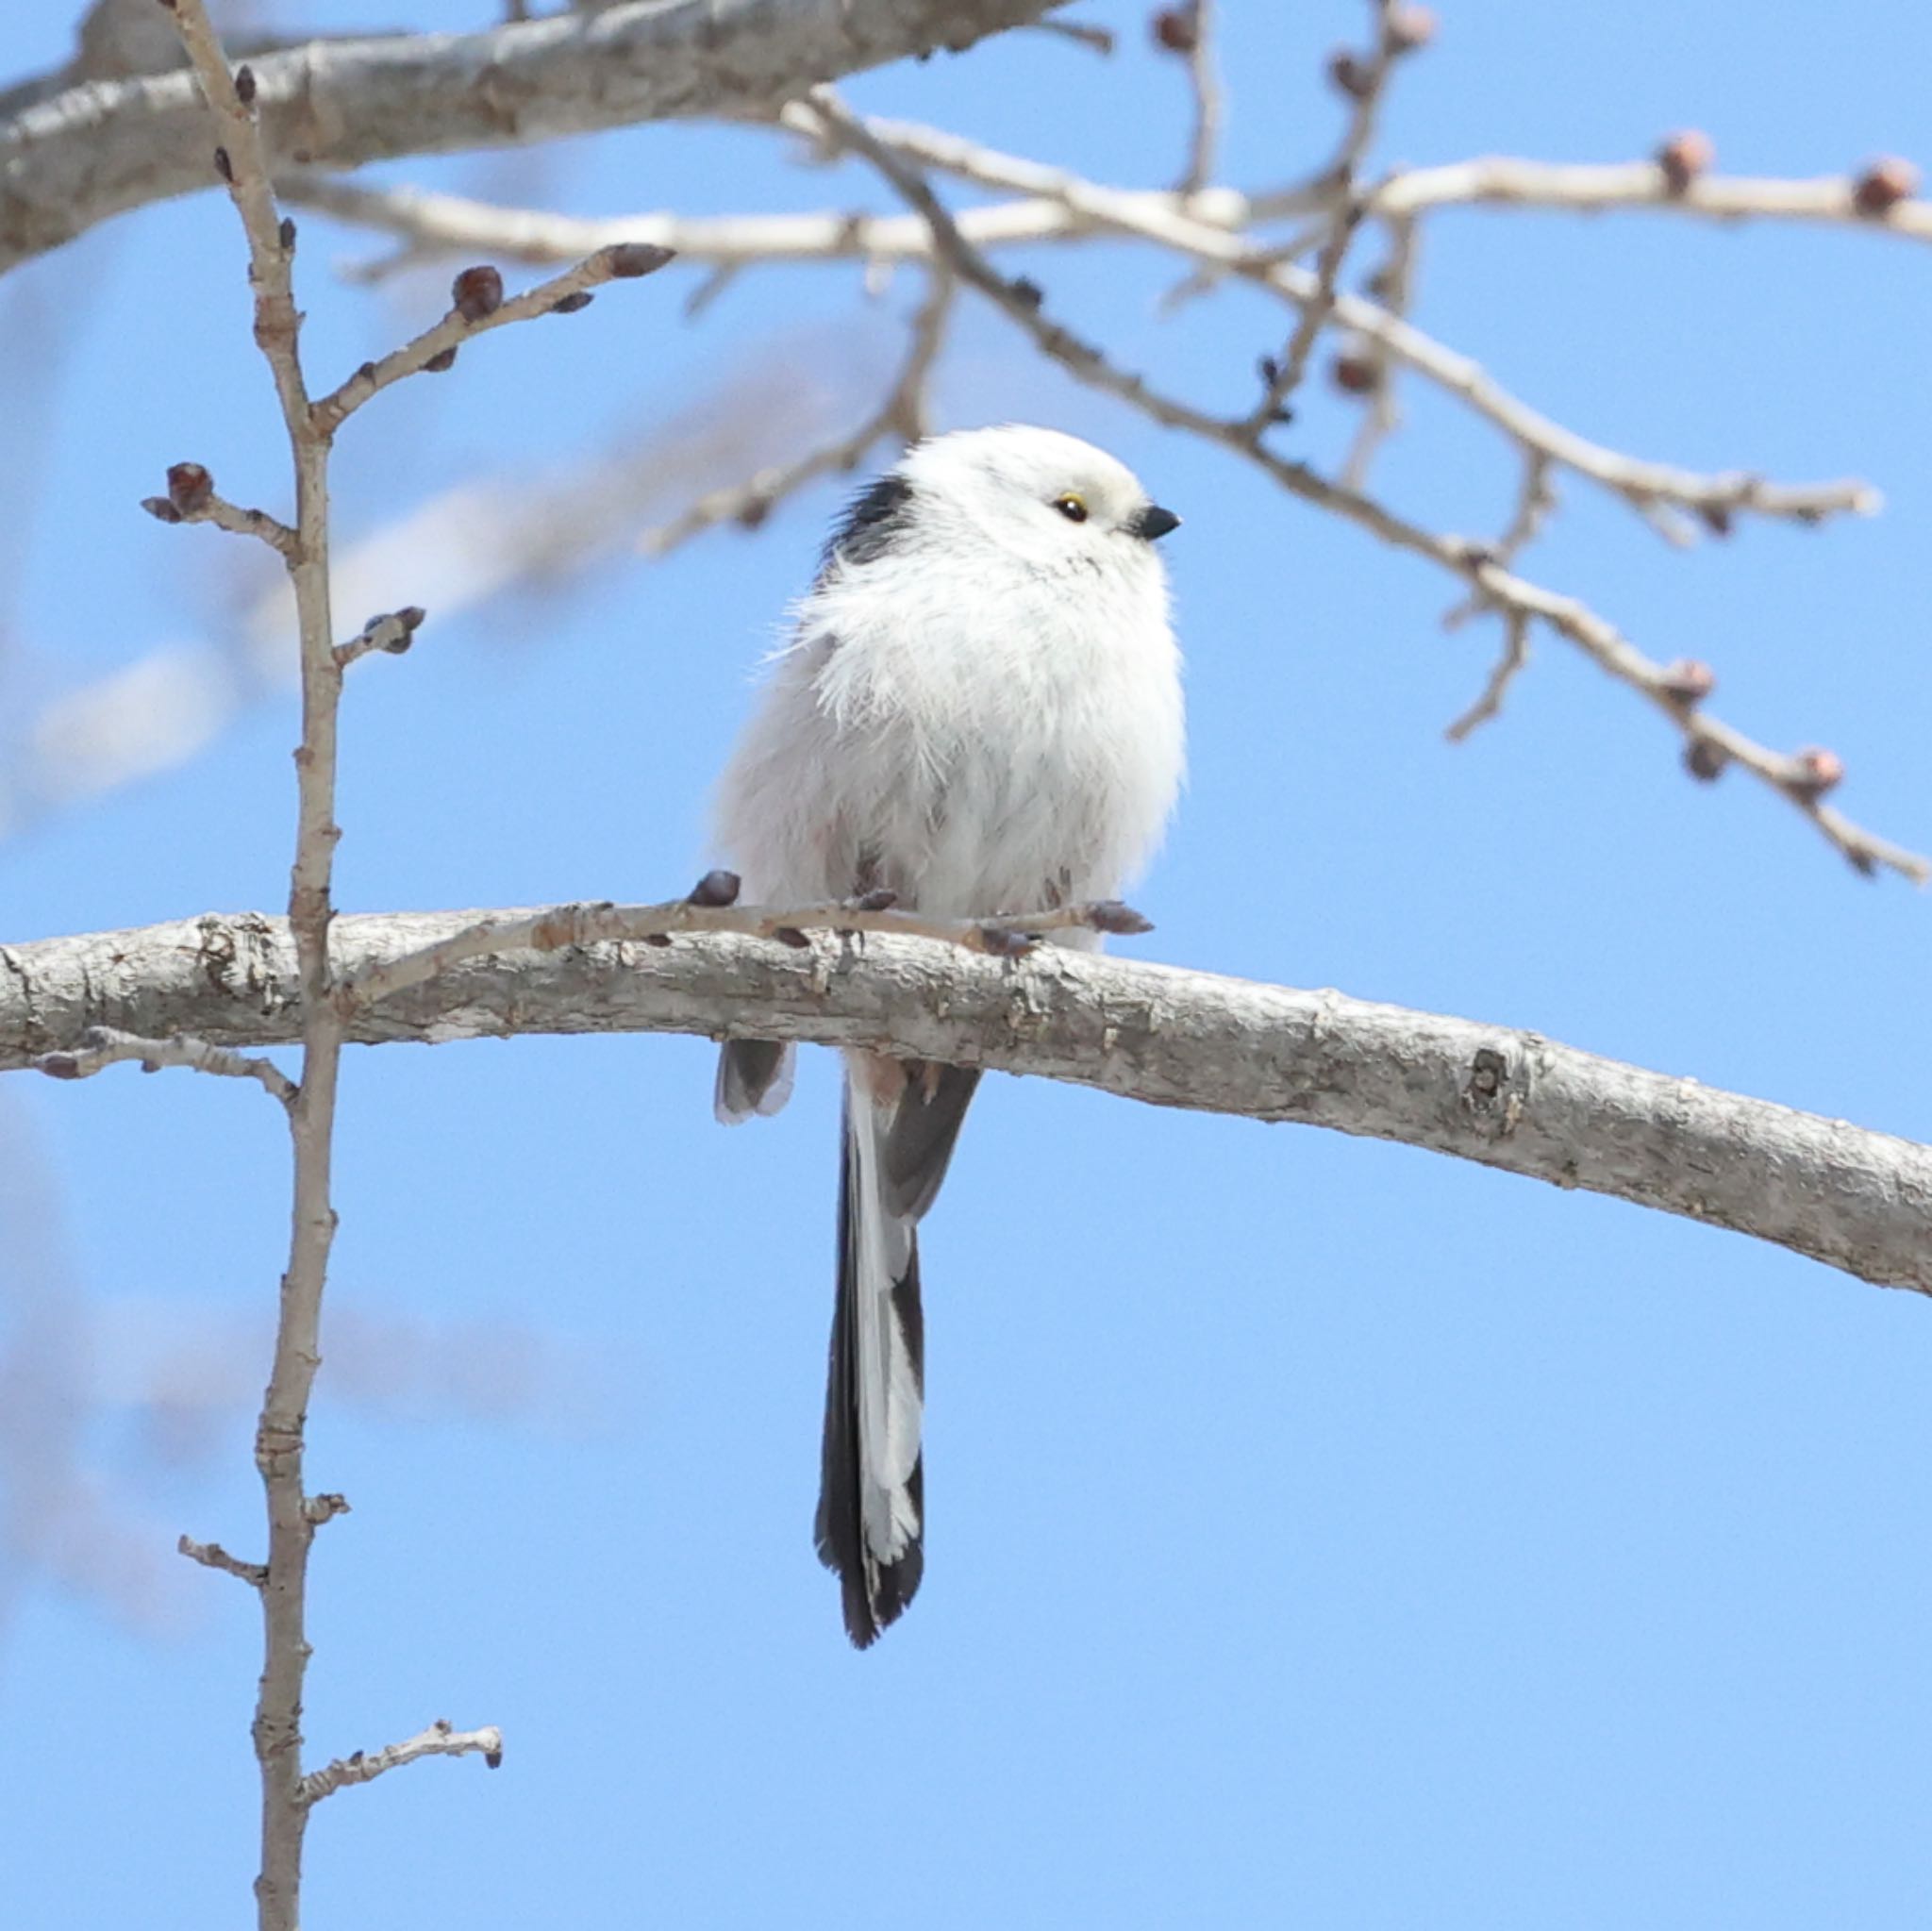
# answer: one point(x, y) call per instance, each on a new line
point(1320, 1532)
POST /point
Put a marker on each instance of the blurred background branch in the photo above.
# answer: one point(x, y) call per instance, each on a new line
point(171, 703)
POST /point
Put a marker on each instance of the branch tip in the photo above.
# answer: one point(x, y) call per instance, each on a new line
point(1409, 29)
point(1115, 917)
point(627, 260)
point(1883, 186)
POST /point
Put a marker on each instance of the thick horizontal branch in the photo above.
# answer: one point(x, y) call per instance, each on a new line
point(1503, 1097)
point(104, 148)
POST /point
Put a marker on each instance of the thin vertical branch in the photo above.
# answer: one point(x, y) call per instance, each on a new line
point(1393, 286)
point(238, 159)
point(1204, 78)
point(477, 306)
point(1365, 82)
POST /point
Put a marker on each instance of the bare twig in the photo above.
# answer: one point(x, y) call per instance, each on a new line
point(1511, 1099)
point(902, 414)
point(213, 1556)
point(1393, 286)
point(102, 1046)
point(1536, 503)
point(1097, 39)
point(436, 347)
point(1515, 657)
point(394, 631)
point(1204, 82)
point(1570, 618)
point(439, 223)
point(191, 498)
point(602, 924)
point(438, 1740)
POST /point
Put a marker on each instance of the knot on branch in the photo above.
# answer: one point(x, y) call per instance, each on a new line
point(1496, 1091)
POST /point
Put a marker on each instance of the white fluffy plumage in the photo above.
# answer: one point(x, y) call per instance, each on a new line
point(980, 710)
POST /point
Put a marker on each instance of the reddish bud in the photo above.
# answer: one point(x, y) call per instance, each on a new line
point(1176, 30)
point(160, 509)
point(1687, 681)
point(715, 888)
point(189, 487)
point(223, 166)
point(1717, 518)
point(1882, 185)
point(287, 235)
point(244, 85)
point(438, 363)
point(1410, 27)
point(569, 304)
point(1705, 758)
point(476, 292)
point(1685, 156)
point(1816, 771)
point(58, 1065)
point(1356, 374)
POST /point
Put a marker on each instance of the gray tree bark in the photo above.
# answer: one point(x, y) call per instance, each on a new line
point(100, 148)
point(1857, 1200)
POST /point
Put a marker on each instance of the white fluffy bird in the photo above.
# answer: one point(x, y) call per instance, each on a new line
point(980, 710)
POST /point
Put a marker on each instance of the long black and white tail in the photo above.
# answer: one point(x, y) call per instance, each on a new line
point(901, 1122)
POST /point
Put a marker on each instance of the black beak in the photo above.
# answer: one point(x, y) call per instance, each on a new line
point(1155, 522)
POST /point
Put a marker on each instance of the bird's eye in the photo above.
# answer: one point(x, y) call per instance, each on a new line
point(1072, 506)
